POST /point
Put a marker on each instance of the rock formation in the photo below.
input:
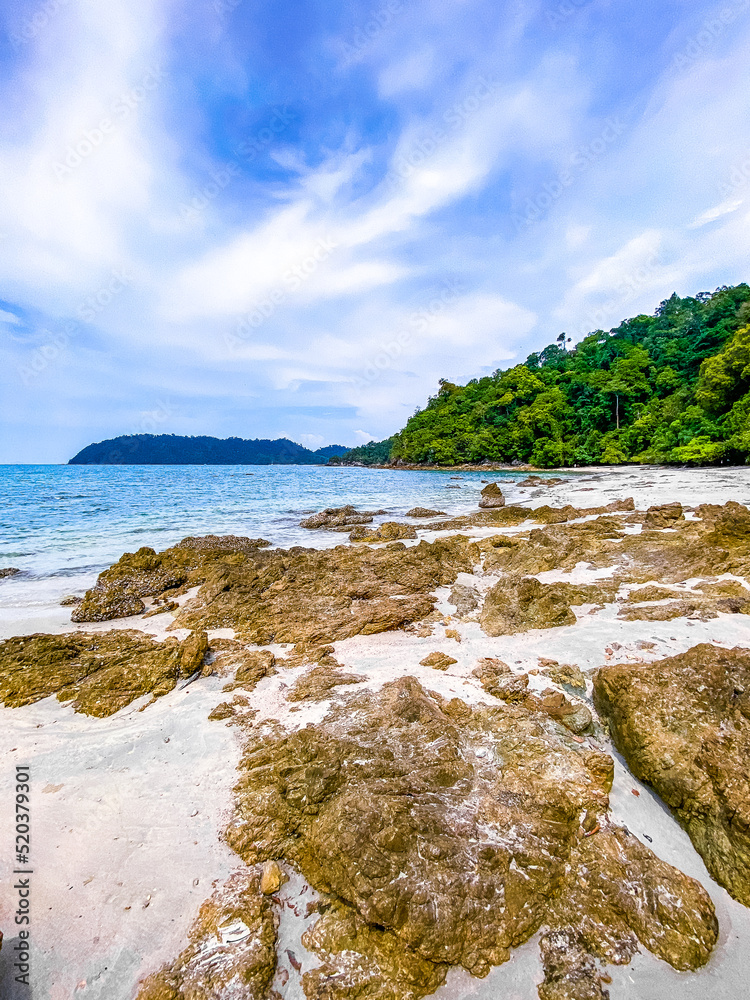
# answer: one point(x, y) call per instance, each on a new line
point(453, 840)
point(99, 672)
point(492, 496)
point(232, 950)
point(683, 726)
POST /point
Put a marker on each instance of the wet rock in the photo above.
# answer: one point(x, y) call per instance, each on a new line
point(8, 571)
point(270, 880)
point(295, 595)
point(683, 726)
point(425, 512)
point(389, 531)
point(363, 961)
point(339, 518)
point(99, 672)
point(575, 716)
point(455, 838)
point(317, 684)
point(663, 515)
point(542, 481)
point(438, 661)
point(568, 675)
point(517, 603)
point(232, 947)
point(492, 496)
point(223, 543)
point(464, 599)
point(499, 680)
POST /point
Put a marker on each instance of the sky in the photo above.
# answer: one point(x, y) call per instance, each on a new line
point(245, 218)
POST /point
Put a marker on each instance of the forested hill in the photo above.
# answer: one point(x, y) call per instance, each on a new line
point(171, 449)
point(669, 388)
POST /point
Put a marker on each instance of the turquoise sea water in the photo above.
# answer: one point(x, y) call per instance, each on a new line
point(71, 520)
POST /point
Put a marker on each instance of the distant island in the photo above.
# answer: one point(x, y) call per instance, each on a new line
point(670, 388)
point(173, 449)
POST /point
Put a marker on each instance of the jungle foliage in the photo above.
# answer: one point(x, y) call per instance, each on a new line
point(669, 388)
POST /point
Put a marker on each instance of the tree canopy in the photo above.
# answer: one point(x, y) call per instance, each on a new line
point(673, 387)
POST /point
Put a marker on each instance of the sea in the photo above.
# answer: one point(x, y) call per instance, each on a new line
point(61, 525)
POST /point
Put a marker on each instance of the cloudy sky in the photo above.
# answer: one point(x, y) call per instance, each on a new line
point(241, 217)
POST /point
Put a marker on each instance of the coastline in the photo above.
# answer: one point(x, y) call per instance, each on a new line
point(171, 751)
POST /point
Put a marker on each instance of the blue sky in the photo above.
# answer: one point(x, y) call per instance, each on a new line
point(238, 217)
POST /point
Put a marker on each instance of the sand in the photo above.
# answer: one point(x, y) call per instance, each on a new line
point(127, 812)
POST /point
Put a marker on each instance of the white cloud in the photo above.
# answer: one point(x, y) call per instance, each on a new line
point(712, 214)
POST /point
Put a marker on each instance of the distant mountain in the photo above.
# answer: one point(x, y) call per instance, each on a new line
point(172, 449)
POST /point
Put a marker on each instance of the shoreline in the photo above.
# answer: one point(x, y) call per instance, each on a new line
point(154, 934)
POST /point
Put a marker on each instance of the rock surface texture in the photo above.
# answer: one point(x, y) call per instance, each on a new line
point(232, 950)
point(683, 726)
point(297, 595)
point(447, 835)
point(99, 672)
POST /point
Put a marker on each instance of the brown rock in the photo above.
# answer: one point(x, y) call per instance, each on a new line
point(492, 496)
point(270, 880)
point(663, 516)
point(339, 518)
point(438, 661)
point(389, 531)
point(452, 841)
point(499, 680)
point(425, 512)
point(464, 599)
point(298, 595)
point(9, 571)
point(317, 684)
point(516, 604)
point(99, 672)
point(683, 725)
point(232, 945)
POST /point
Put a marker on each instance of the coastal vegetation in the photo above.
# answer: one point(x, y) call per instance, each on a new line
point(673, 387)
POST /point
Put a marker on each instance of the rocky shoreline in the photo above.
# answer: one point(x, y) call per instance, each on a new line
point(423, 800)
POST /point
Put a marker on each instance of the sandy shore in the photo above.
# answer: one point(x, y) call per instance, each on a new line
point(128, 811)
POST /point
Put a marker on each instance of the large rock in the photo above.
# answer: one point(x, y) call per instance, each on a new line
point(683, 726)
point(492, 496)
point(389, 531)
point(517, 603)
point(232, 950)
point(663, 515)
point(454, 831)
point(99, 672)
point(339, 518)
point(297, 595)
